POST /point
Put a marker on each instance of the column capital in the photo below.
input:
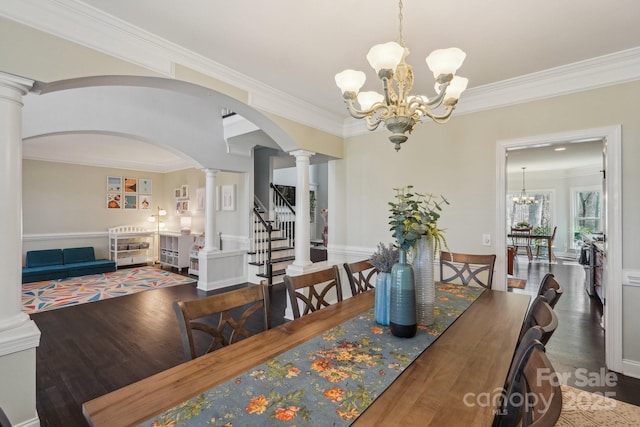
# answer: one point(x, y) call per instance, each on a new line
point(209, 171)
point(14, 87)
point(302, 153)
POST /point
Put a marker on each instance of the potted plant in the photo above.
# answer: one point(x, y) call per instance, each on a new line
point(383, 260)
point(414, 218)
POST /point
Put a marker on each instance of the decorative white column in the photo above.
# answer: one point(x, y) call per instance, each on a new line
point(217, 269)
point(303, 209)
point(210, 211)
point(19, 336)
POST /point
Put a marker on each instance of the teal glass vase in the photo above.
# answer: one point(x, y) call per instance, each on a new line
point(402, 307)
point(383, 298)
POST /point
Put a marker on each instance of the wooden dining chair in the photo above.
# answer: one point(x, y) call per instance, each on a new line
point(548, 244)
point(467, 269)
point(318, 286)
point(540, 314)
point(532, 399)
point(4, 420)
point(550, 289)
point(361, 275)
point(232, 308)
point(521, 239)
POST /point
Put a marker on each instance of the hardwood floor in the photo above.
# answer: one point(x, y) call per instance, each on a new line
point(92, 349)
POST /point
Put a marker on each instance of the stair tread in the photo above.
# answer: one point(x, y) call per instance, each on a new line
point(279, 249)
point(274, 260)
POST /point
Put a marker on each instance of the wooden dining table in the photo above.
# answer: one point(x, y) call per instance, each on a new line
point(546, 237)
point(445, 385)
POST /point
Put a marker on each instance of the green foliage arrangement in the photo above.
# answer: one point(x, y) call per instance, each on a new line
point(384, 258)
point(414, 215)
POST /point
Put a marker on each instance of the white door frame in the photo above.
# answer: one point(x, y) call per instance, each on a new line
point(613, 224)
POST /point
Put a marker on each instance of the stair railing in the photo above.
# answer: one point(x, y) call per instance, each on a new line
point(285, 215)
point(261, 242)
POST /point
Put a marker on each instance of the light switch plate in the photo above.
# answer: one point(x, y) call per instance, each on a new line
point(486, 240)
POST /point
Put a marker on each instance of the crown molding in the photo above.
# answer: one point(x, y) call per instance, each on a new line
point(87, 26)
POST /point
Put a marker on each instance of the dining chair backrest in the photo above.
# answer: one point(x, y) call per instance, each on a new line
point(4, 420)
point(232, 309)
point(361, 275)
point(467, 269)
point(541, 314)
point(548, 283)
point(534, 399)
point(319, 286)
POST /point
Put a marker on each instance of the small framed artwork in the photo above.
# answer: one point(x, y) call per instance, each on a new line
point(114, 184)
point(200, 195)
point(177, 193)
point(144, 186)
point(184, 191)
point(185, 206)
point(144, 202)
point(131, 185)
point(130, 201)
point(114, 201)
point(228, 198)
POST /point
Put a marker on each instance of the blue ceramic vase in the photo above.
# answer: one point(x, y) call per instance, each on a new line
point(402, 313)
point(383, 298)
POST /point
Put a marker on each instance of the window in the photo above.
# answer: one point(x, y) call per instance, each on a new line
point(587, 207)
point(537, 215)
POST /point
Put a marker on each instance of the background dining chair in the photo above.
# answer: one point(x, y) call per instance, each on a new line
point(319, 284)
point(467, 269)
point(234, 309)
point(521, 239)
point(361, 275)
point(550, 289)
point(532, 400)
point(548, 244)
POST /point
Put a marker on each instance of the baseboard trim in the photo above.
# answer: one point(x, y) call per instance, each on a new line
point(33, 422)
point(631, 368)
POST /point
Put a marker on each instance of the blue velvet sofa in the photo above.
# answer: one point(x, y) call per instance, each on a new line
point(51, 264)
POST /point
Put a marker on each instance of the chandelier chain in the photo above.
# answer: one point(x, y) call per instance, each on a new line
point(400, 25)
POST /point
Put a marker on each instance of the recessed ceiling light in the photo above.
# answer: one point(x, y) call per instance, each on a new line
point(560, 149)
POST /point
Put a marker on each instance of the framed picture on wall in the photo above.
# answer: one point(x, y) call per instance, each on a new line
point(228, 198)
point(144, 186)
point(114, 184)
point(144, 202)
point(184, 191)
point(130, 201)
point(114, 200)
point(200, 195)
point(131, 185)
point(177, 193)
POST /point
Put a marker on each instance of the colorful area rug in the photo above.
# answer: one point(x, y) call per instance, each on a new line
point(52, 294)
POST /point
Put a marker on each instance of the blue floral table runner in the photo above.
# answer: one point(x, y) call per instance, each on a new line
point(327, 381)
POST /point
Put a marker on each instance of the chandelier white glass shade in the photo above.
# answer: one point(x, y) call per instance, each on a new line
point(395, 107)
point(523, 199)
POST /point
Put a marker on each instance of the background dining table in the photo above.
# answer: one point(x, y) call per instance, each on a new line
point(443, 386)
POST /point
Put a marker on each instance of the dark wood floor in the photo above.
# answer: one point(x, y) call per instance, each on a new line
point(92, 349)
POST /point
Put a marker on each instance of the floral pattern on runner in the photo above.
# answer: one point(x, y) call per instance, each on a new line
point(326, 381)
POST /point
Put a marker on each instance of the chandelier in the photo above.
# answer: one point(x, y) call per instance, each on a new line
point(396, 108)
point(523, 199)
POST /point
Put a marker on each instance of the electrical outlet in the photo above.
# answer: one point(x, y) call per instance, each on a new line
point(486, 239)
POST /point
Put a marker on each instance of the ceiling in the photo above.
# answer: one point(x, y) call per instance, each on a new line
point(296, 47)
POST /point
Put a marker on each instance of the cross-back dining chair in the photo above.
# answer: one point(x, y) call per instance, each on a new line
point(532, 399)
point(318, 286)
point(550, 289)
point(467, 269)
point(361, 275)
point(232, 308)
point(4, 420)
point(541, 314)
point(521, 239)
point(548, 244)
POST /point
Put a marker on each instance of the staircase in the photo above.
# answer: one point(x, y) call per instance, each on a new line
point(272, 243)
